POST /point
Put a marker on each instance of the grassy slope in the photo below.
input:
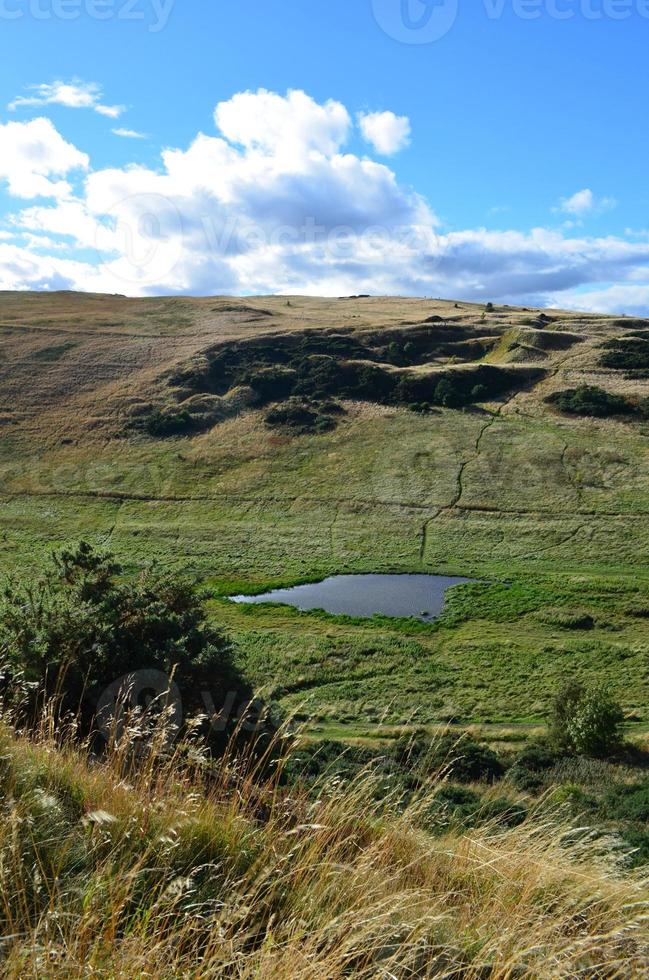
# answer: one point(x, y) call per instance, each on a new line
point(110, 870)
point(508, 492)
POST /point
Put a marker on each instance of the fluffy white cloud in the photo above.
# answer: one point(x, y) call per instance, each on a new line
point(69, 219)
point(619, 298)
point(72, 95)
point(273, 202)
point(385, 131)
point(584, 202)
point(31, 154)
point(291, 125)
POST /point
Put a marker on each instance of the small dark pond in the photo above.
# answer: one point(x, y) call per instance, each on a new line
point(422, 596)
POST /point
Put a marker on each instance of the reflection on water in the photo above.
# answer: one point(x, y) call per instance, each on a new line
point(422, 596)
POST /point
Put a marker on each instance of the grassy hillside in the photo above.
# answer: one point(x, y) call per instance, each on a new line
point(142, 867)
point(144, 424)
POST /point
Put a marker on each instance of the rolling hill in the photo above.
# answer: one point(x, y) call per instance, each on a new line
point(273, 440)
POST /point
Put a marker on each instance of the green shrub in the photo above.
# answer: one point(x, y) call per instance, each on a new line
point(643, 408)
point(627, 802)
point(638, 841)
point(586, 721)
point(328, 759)
point(303, 416)
point(479, 393)
point(447, 394)
point(410, 352)
point(80, 627)
point(272, 383)
point(502, 811)
point(467, 808)
point(163, 424)
point(531, 764)
point(591, 400)
point(626, 353)
point(458, 755)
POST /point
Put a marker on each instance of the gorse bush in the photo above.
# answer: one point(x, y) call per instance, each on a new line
point(304, 416)
point(586, 720)
point(627, 354)
point(591, 400)
point(80, 627)
point(459, 756)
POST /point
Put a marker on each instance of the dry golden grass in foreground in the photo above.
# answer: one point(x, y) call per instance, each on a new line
point(149, 870)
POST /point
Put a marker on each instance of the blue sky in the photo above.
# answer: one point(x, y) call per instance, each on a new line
point(487, 149)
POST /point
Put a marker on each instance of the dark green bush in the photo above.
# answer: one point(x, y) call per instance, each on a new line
point(591, 400)
point(164, 424)
point(638, 840)
point(503, 811)
point(448, 394)
point(272, 383)
point(643, 408)
point(479, 393)
point(626, 353)
point(315, 760)
point(627, 802)
point(81, 627)
point(303, 416)
point(467, 808)
point(458, 755)
point(531, 765)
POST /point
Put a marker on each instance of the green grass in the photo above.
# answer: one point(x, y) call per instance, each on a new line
point(549, 512)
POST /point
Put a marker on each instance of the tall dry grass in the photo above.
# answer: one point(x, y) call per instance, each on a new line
point(149, 865)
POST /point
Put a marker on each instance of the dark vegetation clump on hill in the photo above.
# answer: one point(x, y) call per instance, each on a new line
point(299, 371)
point(589, 400)
point(336, 367)
point(163, 424)
point(305, 416)
point(630, 353)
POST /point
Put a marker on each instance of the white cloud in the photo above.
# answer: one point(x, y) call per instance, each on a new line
point(69, 219)
point(385, 131)
point(275, 203)
point(31, 154)
point(72, 95)
point(584, 202)
point(619, 298)
point(129, 134)
point(290, 125)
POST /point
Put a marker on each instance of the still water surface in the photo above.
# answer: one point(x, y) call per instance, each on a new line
point(422, 596)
